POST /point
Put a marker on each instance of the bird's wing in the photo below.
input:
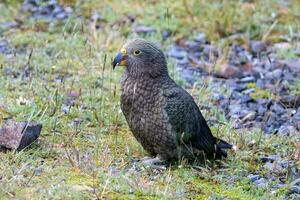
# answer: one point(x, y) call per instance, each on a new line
point(187, 120)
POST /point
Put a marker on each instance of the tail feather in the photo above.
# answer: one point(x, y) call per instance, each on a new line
point(221, 146)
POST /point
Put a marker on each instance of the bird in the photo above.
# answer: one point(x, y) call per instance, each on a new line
point(162, 116)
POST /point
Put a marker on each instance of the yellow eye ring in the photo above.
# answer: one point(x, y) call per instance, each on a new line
point(136, 52)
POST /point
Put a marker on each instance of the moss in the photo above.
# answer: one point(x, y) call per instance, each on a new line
point(261, 94)
point(251, 85)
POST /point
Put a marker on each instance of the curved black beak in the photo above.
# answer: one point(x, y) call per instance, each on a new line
point(120, 59)
point(117, 60)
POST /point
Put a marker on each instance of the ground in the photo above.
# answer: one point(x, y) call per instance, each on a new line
point(56, 70)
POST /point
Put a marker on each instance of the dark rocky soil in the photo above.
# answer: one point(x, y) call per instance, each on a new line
point(46, 9)
point(258, 84)
point(259, 92)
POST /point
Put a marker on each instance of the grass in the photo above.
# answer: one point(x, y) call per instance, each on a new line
point(86, 149)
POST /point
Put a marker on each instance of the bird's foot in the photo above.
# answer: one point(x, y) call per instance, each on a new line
point(154, 163)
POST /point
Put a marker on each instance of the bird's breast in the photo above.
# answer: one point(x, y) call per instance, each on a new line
point(140, 99)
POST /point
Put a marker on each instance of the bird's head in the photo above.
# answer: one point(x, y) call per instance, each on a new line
point(141, 58)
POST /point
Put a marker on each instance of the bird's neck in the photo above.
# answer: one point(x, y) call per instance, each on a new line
point(145, 79)
point(145, 75)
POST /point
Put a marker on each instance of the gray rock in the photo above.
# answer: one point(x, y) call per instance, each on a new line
point(247, 79)
point(288, 76)
point(276, 74)
point(8, 25)
point(270, 129)
point(236, 86)
point(278, 186)
point(260, 83)
point(61, 15)
point(249, 117)
point(166, 34)
point(261, 182)
point(253, 177)
point(258, 47)
point(177, 53)
point(252, 105)
point(18, 135)
point(283, 130)
point(270, 158)
point(293, 64)
point(184, 62)
point(248, 91)
point(209, 49)
point(235, 109)
point(296, 116)
point(245, 98)
point(261, 109)
point(193, 46)
point(295, 190)
point(277, 108)
point(143, 29)
point(4, 47)
point(288, 163)
point(200, 38)
point(46, 10)
point(273, 167)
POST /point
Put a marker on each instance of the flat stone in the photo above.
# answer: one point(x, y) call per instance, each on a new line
point(209, 49)
point(143, 29)
point(253, 177)
point(201, 38)
point(277, 108)
point(166, 34)
point(246, 98)
point(235, 109)
point(46, 10)
point(18, 135)
point(229, 71)
point(249, 117)
point(278, 186)
point(293, 64)
point(283, 130)
point(8, 25)
point(248, 91)
point(4, 47)
point(247, 79)
point(276, 74)
point(177, 53)
point(295, 190)
point(261, 182)
point(193, 46)
point(61, 15)
point(258, 47)
point(270, 129)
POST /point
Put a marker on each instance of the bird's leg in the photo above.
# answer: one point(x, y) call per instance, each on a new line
point(155, 163)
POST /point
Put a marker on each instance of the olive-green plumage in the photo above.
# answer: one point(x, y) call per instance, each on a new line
point(163, 117)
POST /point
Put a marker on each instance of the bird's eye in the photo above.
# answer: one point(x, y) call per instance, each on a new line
point(137, 52)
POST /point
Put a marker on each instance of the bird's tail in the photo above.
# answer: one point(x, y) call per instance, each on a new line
point(221, 146)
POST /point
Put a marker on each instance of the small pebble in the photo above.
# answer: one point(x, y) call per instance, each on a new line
point(258, 47)
point(276, 74)
point(261, 183)
point(253, 177)
point(295, 189)
point(247, 79)
point(201, 38)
